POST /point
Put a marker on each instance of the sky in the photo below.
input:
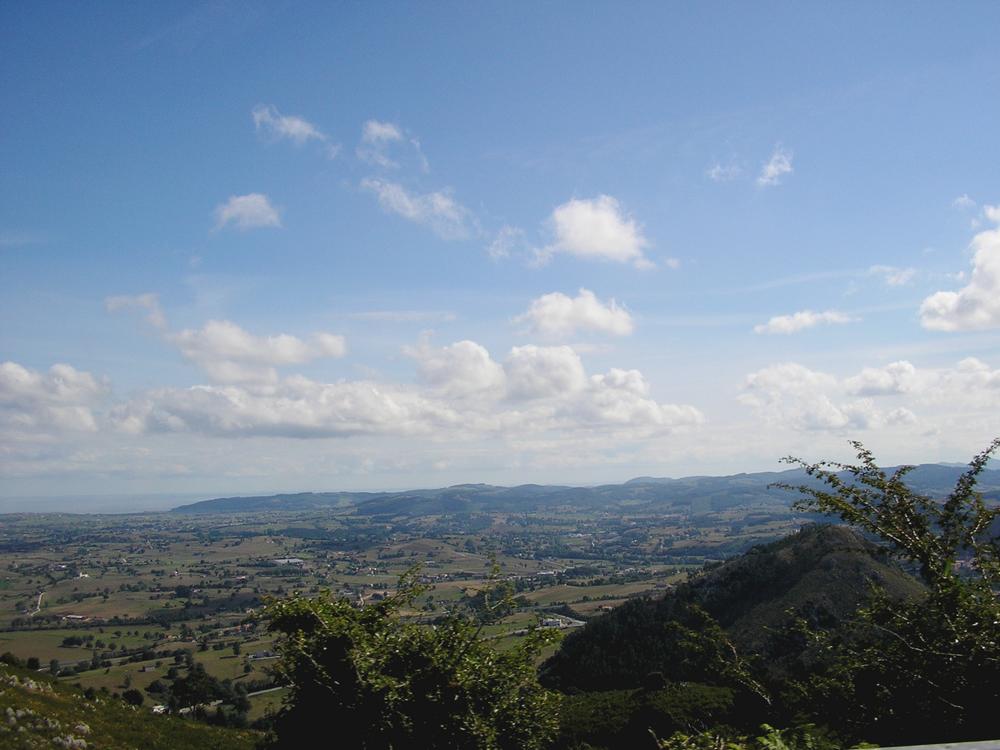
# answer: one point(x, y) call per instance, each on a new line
point(257, 247)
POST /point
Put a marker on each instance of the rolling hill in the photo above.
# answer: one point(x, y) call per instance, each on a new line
point(696, 494)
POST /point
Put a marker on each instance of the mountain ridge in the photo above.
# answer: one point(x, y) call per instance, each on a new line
point(698, 493)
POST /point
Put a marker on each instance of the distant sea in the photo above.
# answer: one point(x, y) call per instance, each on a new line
point(98, 503)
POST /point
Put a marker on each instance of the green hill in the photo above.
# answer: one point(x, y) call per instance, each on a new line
point(822, 573)
point(37, 712)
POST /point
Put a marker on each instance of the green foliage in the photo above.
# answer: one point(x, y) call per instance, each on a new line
point(912, 671)
point(401, 684)
point(672, 635)
point(934, 535)
point(624, 718)
point(805, 737)
point(703, 629)
point(195, 688)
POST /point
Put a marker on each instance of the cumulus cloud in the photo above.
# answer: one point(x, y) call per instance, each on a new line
point(460, 369)
point(295, 407)
point(58, 400)
point(596, 229)
point(622, 397)
point(556, 315)
point(892, 275)
point(799, 321)
point(271, 123)
point(897, 377)
point(438, 210)
point(149, 302)
point(251, 211)
point(976, 305)
point(464, 394)
point(963, 202)
point(543, 372)
point(779, 165)
point(794, 396)
point(229, 354)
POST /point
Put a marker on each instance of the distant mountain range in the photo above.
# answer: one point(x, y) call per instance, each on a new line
point(697, 494)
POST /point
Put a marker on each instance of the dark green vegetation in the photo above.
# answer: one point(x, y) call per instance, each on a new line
point(821, 574)
point(820, 628)
point(888, 636)
point(401, 684)
point(926, 668)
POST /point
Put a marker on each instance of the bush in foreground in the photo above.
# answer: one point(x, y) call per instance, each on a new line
point(399, 684)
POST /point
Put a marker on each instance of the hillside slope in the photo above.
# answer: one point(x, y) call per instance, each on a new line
point(822, 573)
point(37, 712)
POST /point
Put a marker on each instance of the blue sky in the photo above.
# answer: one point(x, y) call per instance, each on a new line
point(251, 247)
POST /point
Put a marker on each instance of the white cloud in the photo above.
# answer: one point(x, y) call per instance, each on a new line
point(957, 398)
point(557, 315)
point(892, 275)
point(376, 138)
point(972, 382)
point(59, 400)
point(508, 240)
point(901, 416)
point(963, 202)
point(251, 211)
point(374, 131)
point(438, 210)
point(596, 229)
point(786, 324)
point(460, 369)
point(672, 263)
point(776, 167)
point(543, 372)
point(976, 305)
point(723, 173)
point(229, 354)
point(295, 407)
point(270, 122)
point(897, 377)
point(799, 397)
point(149, 302)
point(622, 397)
point(464, 395)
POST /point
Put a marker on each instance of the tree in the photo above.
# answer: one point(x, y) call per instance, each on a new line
point(196, 688)
point(133, 697)
point(927, 670)
point(406, 684)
